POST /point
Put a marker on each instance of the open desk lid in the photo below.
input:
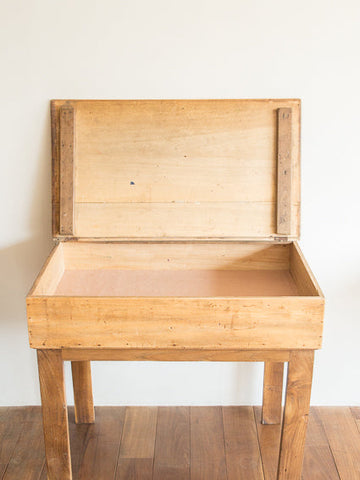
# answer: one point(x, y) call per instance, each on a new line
point(176, 169)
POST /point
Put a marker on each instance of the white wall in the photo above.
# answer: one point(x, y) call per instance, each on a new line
point(184, 49)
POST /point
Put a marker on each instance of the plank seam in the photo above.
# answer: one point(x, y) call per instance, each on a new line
point(223, 431)
point(258, 442)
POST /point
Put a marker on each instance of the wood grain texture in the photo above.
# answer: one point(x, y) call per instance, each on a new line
point(301, 273)
point(98, 445)
point(269, 443)
point(221, 323)
point(83, 396)
point(172, 449)
point(176, 256)
point(5, 449)
point(66, 152)
point(55, 419)
point(297, 405)
point(29, 449)
point(343, 437)
point(243, 458)
point(355, 411)
point(272, 393)
point(135, 469)
point(208, 460)
point(169, 355)
point(137, 444)
point(80, 439)
point(50, 274)
point(171, 159)
point(95, 447)
point(12, 422)
point(198, 220)
point(138, 440)
point(319, 463)
point(73, 256)
point(284, 171)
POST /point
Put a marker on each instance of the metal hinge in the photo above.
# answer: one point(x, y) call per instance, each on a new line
point(58, 240)
point(281, 239)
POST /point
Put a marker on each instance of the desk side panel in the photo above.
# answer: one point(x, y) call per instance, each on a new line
point(50, 274)
point(176, 322)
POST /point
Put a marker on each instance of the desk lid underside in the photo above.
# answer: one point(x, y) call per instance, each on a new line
point(176, 169)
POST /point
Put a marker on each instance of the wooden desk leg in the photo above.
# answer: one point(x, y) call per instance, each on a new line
point(297, 405)
point(83, 398)
point(54, 411)
point(272, 393)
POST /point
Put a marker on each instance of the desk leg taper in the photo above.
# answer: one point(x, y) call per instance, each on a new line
point(272, 393)
point(54, 412)
point(83, 397)
point(297, 405)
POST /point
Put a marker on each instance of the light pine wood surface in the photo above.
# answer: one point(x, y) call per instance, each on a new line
point(223, 322)
point(175, 256)
point(83, 397)
point(174, 168)
point(54, 412)
point(297, 404)
point(272, 392)
point(248, 450)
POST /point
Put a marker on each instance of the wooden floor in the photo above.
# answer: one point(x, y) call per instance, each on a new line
point(181, 443)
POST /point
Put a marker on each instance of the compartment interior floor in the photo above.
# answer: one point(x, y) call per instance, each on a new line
point(188, 283)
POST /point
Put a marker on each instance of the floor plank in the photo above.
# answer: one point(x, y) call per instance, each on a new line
point(8, 439)
point(355, 411)
point(172, 450)
point(78, 442)
point(138, 440)
point(207, 444)
point(180, 443)
point(269, 441)
point(137, 444)
point(96, 446)
point(319, 463)
point(11, 426)
point(344, 440)
point(28, 458)
point(3, 414)
point(135, 469)
point(243, 460)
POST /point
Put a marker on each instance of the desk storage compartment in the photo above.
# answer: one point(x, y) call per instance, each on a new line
point(176, 295)
point(177, 223)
